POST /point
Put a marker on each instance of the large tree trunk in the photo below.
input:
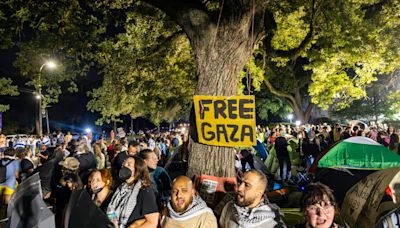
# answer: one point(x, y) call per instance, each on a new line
point(218, 70)
point(302, 115)
point(221, 44)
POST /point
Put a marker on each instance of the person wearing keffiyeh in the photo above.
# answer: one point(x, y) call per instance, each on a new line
point(134, 203)
point(251, 208)
point(187, 209)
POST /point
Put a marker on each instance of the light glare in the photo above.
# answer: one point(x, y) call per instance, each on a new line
point(51, 64)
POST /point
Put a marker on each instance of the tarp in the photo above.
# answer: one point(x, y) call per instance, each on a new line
point(259, 165)
point(27, 208)
point(359, 153)
point(260, 148)
point(361, 206)
point(82, 212)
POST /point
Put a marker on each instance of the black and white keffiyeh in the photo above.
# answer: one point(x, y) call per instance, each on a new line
point(197, 207)
point(251, 216)
point(124, 201)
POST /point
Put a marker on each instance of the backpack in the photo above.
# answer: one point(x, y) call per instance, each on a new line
point(3, 171)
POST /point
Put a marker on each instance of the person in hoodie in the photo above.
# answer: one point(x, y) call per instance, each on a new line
point(186, 208)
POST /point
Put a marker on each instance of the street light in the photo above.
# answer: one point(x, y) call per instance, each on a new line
point(290, 117)
point(50, 65)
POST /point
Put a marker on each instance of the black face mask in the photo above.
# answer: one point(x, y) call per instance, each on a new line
point(124, 173)
point(95, 192)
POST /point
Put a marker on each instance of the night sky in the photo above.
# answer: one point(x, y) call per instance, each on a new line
point(69, 114)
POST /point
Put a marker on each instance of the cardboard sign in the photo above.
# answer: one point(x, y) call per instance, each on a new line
point(226, 121)
point(362, 201)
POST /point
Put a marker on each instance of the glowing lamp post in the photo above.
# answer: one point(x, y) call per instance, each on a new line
point(50, 65)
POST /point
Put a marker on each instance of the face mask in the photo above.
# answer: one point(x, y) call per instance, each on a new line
point(96, 191)
point(124, 173)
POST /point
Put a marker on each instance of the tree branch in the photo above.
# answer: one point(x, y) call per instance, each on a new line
point(164, 45)
point(307, 113)
point(277, 92)
point(192, 15)
point(297, 96)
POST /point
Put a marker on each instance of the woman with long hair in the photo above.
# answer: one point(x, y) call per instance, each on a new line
point(134, 203)
point(160, 180)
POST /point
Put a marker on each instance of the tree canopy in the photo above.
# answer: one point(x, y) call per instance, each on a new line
point(148, 70)
point(327, 53)
point(383, 99)
point(332, 49)
point(6, 88)
point(324, 51)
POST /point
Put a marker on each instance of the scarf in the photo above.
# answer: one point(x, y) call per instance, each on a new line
point(197, 207)
point(251, 216)
point(124, 201)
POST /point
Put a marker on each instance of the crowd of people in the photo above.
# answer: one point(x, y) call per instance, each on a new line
point(127, 181)
point(299, 146)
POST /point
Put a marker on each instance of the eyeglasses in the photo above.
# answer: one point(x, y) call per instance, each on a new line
point(317, 208)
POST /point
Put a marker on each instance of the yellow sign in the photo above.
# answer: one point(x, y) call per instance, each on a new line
point(226, 121)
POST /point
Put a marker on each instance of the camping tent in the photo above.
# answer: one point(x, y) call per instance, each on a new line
point(351, 160)
point(341, 180)
point(359, 153)
point(272, 163)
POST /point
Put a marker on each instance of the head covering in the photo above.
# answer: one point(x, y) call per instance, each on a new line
point(70, 163)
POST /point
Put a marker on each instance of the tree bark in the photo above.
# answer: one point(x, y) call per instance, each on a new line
point(221, 44)
point(218, 68)
point(302, 115)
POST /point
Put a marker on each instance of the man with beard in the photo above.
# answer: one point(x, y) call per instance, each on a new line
point(186, 208)
point(251, 208)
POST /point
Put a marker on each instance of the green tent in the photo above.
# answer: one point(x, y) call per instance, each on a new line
point(359, 153)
